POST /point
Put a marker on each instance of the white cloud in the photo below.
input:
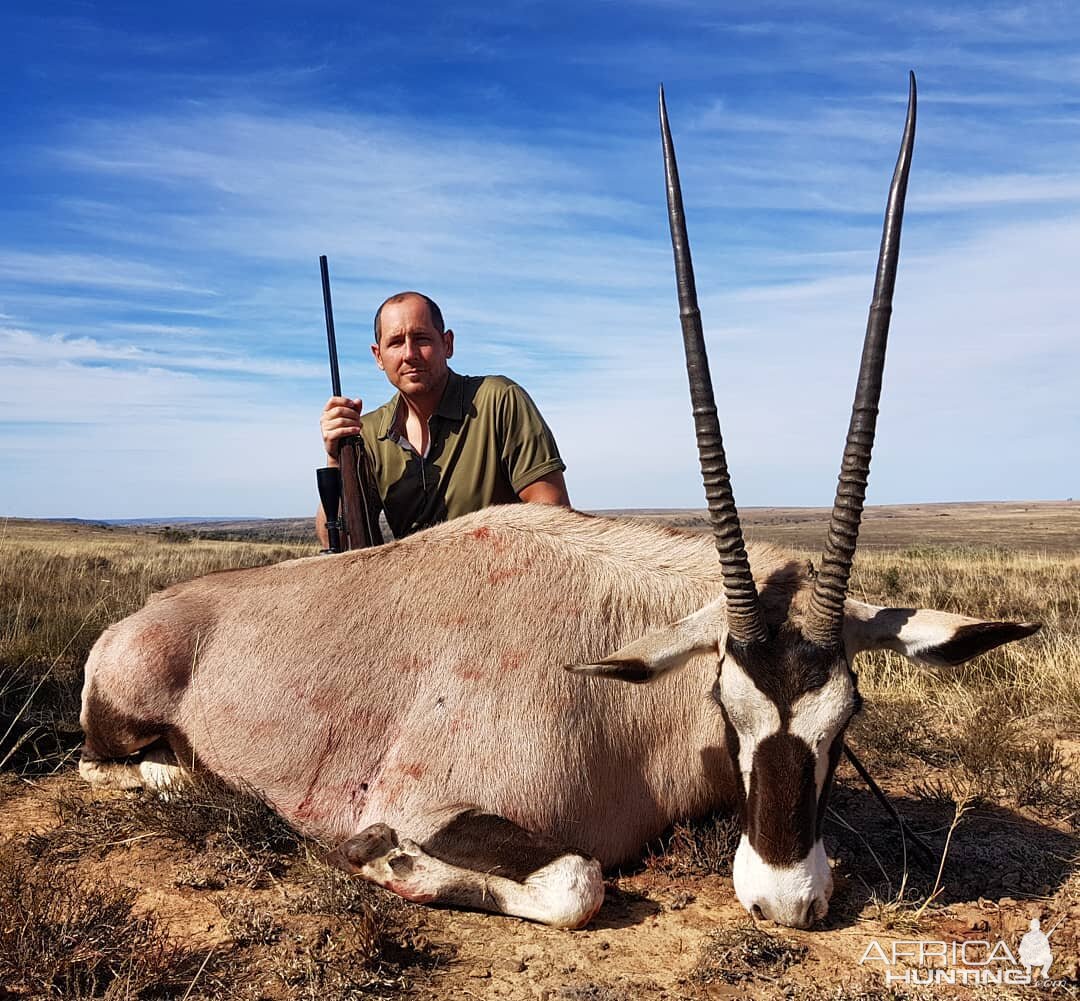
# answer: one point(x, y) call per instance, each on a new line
point(93, 270)
point(96, 441)
point(950, 192)
point(20, 346)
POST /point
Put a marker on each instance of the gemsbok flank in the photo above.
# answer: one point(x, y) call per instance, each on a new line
point(410, 702)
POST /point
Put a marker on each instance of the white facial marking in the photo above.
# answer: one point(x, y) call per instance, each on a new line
point(794, 895)
point(817, 716)
point(751, 712)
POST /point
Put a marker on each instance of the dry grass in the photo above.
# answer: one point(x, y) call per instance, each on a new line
point(324, 935)
point(624, 989)
point(1003, 759)
point(1039, 677)
point(64, 935)
point(60, 586)
point(99, 578)
point(238, 839)
point(697, 848)
point(296, 928)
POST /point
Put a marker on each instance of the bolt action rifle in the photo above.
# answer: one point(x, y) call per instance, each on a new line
point(350, 486)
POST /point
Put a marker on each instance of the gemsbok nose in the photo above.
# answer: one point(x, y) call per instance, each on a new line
point(799, 913)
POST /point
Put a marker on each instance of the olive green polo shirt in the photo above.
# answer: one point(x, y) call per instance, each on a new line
point(487, 442)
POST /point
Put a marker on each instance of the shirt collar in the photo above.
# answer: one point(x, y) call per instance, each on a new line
point(451, 405)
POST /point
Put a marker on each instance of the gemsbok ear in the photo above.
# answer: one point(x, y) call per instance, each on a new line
point(662, 650)
point(927, 637)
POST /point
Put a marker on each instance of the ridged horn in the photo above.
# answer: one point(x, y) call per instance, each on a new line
point(746, 623)
point(825, 620)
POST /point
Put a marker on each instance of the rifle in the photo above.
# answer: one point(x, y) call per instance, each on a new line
point(358, 527)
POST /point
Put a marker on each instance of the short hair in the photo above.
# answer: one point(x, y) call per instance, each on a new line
point(434, 313)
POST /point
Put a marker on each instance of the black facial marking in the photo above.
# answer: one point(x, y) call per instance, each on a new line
point(490, 844)
point(785, 666)
point(972, 640)
point(782, 814)
point(781, 808)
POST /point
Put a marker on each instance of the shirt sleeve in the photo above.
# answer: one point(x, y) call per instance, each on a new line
point(527, 445)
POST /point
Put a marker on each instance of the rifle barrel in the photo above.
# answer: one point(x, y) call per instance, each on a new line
point(331, 339)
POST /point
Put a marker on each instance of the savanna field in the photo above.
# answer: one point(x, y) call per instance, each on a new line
point(209, 895)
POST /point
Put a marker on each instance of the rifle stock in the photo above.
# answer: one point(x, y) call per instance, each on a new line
point(350, 486)
point(360, 520)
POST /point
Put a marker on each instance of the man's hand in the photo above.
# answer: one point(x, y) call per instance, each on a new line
point(340, 419)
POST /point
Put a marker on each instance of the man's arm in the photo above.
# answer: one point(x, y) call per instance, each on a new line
point(549, 489)
point(528, 449)
point(320, 528)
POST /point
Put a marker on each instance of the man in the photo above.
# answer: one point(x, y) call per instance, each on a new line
point(446, 444)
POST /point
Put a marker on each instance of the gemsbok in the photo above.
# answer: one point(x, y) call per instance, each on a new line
point(410, 703)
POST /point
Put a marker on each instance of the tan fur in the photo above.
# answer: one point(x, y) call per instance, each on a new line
point(397, 684)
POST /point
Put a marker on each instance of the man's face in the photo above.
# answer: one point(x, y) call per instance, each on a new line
point(411, 351)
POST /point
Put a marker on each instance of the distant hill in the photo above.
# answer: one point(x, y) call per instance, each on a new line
point(1040, 526)
point(220, 519)
point(240, 529)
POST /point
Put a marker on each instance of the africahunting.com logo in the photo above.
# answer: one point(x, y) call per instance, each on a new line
point(927, 962)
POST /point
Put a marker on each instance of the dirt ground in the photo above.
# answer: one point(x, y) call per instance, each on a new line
point(659, 935)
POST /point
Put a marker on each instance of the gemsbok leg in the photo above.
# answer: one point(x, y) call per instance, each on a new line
point(121, 752)
point(481, 861)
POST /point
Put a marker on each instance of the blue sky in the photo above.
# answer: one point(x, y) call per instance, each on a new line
point(172, 172)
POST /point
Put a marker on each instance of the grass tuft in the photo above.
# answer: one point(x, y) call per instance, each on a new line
point(698, 848)
point(247, 923)
point(744, 952)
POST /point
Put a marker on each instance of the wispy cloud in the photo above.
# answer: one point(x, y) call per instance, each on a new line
point(90, 270)
point(948, 192)
point(22, 347)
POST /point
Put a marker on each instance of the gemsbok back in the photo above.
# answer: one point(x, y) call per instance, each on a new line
point(410, 702)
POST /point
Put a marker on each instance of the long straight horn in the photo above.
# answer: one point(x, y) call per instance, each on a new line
point(825, 620)
point(746, 623)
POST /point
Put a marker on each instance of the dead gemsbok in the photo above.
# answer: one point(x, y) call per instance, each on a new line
point(409, 702)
